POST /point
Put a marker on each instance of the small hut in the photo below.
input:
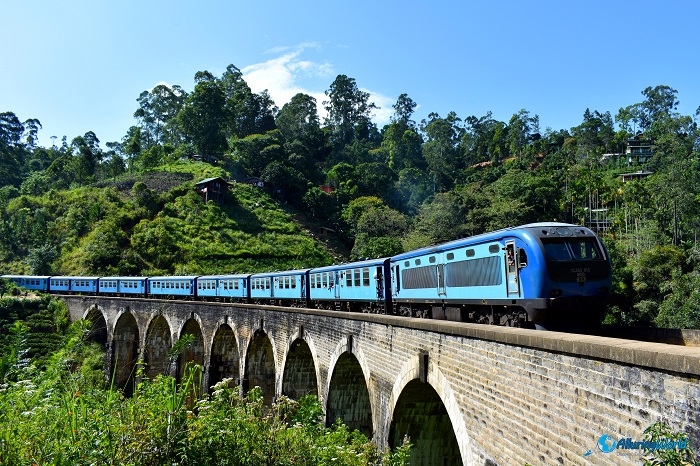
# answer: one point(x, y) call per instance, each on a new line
point(212, 189)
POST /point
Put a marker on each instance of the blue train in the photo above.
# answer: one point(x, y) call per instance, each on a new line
point(553, 275)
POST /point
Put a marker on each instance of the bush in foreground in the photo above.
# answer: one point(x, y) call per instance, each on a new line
point(62, 416)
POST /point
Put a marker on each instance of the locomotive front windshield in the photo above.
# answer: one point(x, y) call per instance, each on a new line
point(571, 249)
point(575, 260)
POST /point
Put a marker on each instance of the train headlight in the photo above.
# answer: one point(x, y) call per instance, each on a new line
point(603, 290)
point(555, 292)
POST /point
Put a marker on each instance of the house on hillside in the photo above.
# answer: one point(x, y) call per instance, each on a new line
point(639, 151)
point(254, 181)
point(627, 177)
point(212, 189)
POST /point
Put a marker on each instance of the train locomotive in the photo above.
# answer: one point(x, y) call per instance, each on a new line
point(548, 275)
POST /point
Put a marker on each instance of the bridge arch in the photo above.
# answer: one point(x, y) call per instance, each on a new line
point(100, 331)
point(261, 365)
point(424, 407)
point(125, 351)
point(194, 352)
point(157, 343)
point(225, 356)
point(300, 374)
point(347, 396)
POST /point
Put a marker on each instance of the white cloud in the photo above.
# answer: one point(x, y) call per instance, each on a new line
point(287, 75)
point(284, 75)
point(382, 115)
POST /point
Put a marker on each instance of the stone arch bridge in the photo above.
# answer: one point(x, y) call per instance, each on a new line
point(464, 393)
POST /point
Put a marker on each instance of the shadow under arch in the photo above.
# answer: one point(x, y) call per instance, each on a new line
point(260, 366)
point(299, 375)
point(157, 344)
point(225, 359)
point(99, 333)
point(125, 354)
point(193, 353)
point(421, 416)
point(348, 395)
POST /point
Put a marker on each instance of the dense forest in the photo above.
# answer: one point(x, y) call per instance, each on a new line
point(76, 207)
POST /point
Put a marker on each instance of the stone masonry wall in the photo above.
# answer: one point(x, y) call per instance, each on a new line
point(514, 396)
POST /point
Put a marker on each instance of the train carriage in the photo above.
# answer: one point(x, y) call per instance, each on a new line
point(283, 288)
point(77, 285)
point(549, 274)
point(357, 286)
point(223, 287)
point(29, 282)
point(172, 287)
point(136, 286)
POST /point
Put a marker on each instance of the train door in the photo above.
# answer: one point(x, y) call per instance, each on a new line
point(379, 282)
point(441, 289)
point(395, 282)
point(336, 282)
point(512, 280)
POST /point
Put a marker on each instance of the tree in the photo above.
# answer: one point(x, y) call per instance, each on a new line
point(660, 103)
point(410, 190)
point(256, 151)
point(402, 143)
point(31, 128)
point(651, 270)
point(594, 135)
point(403, 110)
point(286, 182)
point(522, 128)
point(442, 218)
point(349, 110)
point(630, 117)
point(355, 208)
point(374, 178)
point(321, 206)
point(203, 117)
point(87, 157)
point(246, 112)
point(131, 145)
point(40, 259)
point(378, 231)
point(484, 139)
point(12, 151)
point(298, 119)
point(441, 149)
point(681, 304)
point(156, 109)
point(299, 125)
point(11, 130)
point(115, 165)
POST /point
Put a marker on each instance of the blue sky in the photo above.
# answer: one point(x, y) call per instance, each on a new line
point(79, 66)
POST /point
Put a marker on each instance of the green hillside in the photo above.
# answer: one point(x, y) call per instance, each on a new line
point(155, 223)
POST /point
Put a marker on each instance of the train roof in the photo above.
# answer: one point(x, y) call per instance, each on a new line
point(174, 277)
point(225, 276)
point(350, 265)
point(73, 277)
point(25, 276)
point(123, 278)
point(485, 238)
point(280, 273)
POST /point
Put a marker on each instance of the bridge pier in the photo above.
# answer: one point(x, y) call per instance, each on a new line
point(464, 393)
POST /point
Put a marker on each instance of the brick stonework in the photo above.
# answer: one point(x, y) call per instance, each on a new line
point(513, 396)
